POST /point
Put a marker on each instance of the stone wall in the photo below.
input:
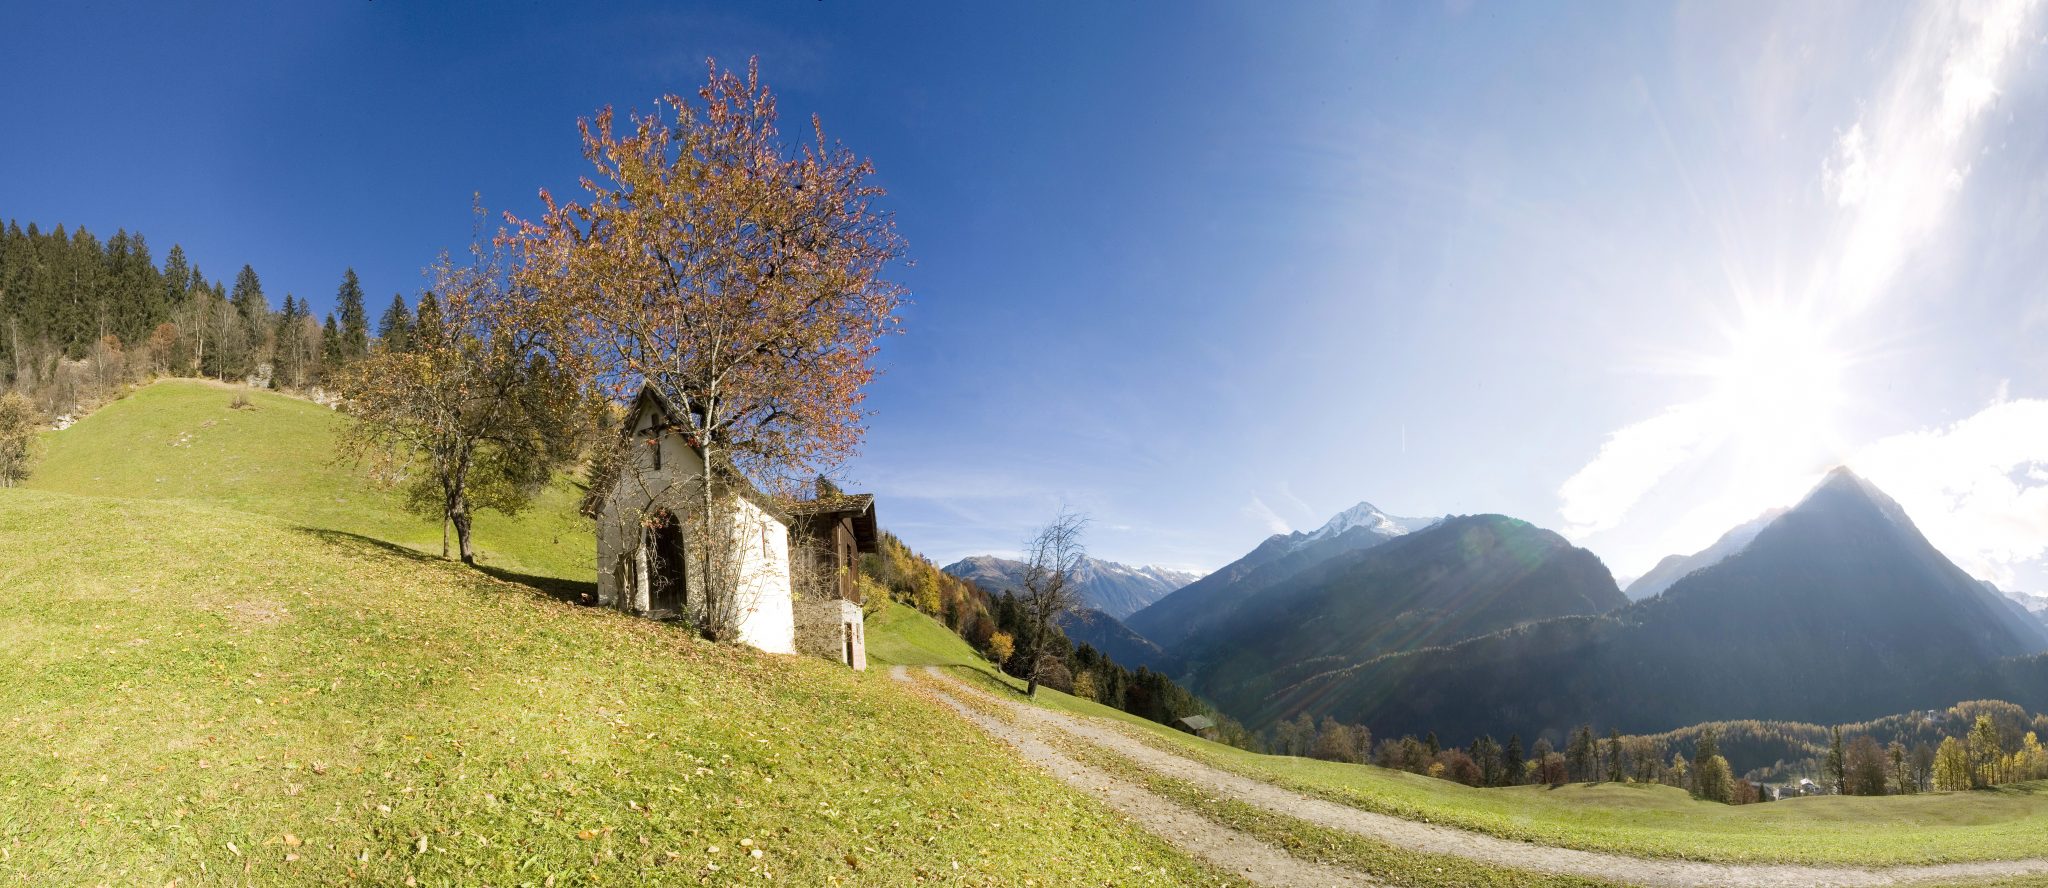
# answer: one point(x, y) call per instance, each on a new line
point(824, 627)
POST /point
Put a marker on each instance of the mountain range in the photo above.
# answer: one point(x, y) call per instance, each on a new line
point(1459, 578)
point(1837, 609)
point(1215, 599)
point(1118, 590)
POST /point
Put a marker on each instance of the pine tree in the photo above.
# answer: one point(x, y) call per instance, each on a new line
point(331, 357)
point(248, 299)
point(1511, 761)
point(243, 353)
point(394, 330)
point(176, 278)
point(1581, 755)
point(355, 322)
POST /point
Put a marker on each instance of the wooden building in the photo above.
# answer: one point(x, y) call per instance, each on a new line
point(829, 533)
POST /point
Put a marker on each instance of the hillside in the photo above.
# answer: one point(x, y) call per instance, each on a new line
point(1838, 611)
point(211, 691)
point(178, 439)
point(1116, 641)
point(1118, 590)
point(1214, 599)
point(1460, 578)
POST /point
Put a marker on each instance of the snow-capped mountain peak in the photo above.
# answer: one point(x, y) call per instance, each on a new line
point(1369, 516)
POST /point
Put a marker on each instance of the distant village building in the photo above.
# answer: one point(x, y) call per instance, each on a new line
point(645, 566)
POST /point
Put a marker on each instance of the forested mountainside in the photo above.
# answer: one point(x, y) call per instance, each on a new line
point(1463, 577)
point(1215, 598)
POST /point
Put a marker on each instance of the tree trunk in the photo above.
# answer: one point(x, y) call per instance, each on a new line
point(715, 607)
point(461, 520)
point(1037, 656)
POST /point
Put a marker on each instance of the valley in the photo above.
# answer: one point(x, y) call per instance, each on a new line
point(306, 699)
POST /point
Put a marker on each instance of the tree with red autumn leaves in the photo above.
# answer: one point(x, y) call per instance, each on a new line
point(746, 281)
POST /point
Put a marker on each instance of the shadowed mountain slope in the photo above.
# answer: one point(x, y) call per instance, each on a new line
point(1839, 610)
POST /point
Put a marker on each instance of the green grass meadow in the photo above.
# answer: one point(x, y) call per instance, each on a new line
point(1644, 820)
point(225, 658)
point(225, 662)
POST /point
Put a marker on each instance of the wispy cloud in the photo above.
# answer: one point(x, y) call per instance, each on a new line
point(1891, 179)
point(1264, 514)
point(1896, 170)
point(1978, 488)
point(1632, 461)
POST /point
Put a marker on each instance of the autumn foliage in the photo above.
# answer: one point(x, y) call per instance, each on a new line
point(745, 281)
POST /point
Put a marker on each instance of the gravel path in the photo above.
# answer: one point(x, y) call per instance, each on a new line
point(1227, 848)
point(1416, 836)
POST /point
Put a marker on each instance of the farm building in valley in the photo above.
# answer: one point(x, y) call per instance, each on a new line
point(793, 565)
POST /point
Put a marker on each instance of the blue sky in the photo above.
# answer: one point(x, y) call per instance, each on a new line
point(1631, 272)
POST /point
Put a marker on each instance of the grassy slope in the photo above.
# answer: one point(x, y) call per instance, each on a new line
point(269, 693)
point(177, 439)
point(2007, 822)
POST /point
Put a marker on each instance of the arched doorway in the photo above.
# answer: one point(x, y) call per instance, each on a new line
point(668, 574)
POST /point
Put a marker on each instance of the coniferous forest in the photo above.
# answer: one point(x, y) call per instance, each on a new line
point(80, 315)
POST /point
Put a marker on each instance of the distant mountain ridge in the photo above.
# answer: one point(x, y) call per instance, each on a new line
point(1118, 590)
point(1675, 567)
point(1837, 610)
point(2033, 604)
point(1110, 636)
point(1455, 579)
point(1215, 598)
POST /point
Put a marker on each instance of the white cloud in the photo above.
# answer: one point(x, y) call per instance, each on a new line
point(1264, 514)
point(1978, 488)
point(1631, 462)
point(1846, 174)
point(1892, 175)
point(1896, 169)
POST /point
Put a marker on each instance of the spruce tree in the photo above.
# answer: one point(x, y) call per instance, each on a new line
point(394, 330)
point(1512, 759)
point(355, 321)
point(247, 298)
point(177, 278)
point(331, 357)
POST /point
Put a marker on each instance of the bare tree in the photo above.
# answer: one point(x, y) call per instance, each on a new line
point(1052, 559)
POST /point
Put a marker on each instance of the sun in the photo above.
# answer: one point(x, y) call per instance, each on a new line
point(1782, 373)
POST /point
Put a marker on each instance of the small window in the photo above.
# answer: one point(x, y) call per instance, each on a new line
point(654, 444)
point(764, 541)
